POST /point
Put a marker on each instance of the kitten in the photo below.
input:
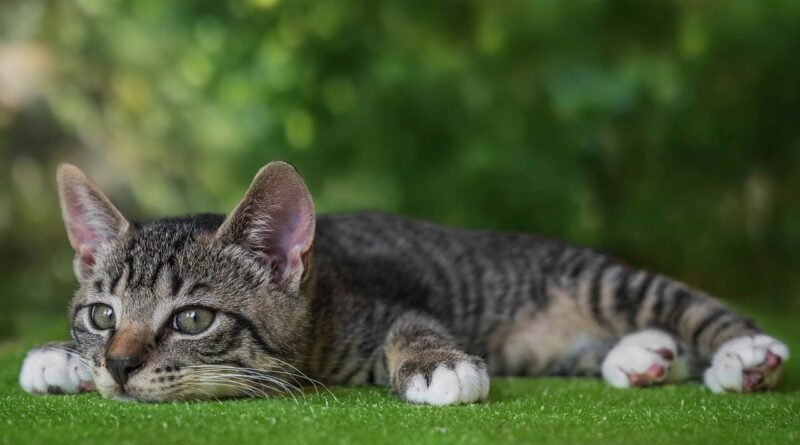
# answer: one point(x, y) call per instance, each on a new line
point(272, 298)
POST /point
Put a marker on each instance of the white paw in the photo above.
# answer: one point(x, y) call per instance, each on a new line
point(466, 383)
point(643, 358)
point(54, 371)
point(746, 364)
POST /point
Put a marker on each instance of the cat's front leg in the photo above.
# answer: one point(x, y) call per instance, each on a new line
point(55, 368)
point(425, 366)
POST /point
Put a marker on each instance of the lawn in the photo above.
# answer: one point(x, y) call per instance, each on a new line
point(558, 411)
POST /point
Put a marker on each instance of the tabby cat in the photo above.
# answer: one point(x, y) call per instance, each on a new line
point(272, 298)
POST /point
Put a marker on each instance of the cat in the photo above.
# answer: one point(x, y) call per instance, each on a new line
point(273, 297)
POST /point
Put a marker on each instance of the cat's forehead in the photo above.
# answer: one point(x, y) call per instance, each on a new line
point(170, 258)
point(174, 263)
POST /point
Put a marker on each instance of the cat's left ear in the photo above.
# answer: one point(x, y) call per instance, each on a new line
point(275, 222)
point(91, 220)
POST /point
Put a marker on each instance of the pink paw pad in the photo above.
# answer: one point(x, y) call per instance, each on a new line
point(654, 374)
point(752, 380)
point(666, 354)
point(772, 361)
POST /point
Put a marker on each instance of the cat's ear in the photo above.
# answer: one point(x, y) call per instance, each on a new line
point(275, 222)
point(92, 221)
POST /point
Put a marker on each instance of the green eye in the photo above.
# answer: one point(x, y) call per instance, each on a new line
point(192, 321)
point(102, 316)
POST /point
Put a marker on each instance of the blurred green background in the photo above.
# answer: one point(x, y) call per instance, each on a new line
point(665, 132)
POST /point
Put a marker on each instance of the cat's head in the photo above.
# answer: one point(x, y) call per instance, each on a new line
point(193, 307)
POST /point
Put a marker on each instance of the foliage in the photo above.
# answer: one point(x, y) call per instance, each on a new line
point(664, 132)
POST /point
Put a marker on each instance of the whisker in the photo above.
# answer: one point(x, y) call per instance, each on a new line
point(226, 381)
point(244, 380)
point(297, 373)
point(225, 373)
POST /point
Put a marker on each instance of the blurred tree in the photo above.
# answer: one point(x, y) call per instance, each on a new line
point(663, 132)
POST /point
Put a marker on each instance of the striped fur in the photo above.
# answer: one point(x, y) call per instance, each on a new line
point(379, 299)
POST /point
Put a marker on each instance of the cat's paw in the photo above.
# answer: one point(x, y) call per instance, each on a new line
point(442, 378)
point(50, 370)
point(746, 364)
point(643, 358)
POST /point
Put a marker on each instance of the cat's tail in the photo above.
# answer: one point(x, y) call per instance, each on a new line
point(621, 300)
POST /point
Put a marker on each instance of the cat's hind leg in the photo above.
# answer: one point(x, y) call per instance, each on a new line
point(426, 366)
point(746, 364)
point(55, 368)
point(644, 358)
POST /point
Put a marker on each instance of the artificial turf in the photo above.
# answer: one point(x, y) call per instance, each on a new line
point(520, 410)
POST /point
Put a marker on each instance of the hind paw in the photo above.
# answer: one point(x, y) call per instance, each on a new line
point(641, 359)
point(746, 364)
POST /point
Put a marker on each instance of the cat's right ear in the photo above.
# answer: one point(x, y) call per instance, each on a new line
point(275, 223)
point(92, 221)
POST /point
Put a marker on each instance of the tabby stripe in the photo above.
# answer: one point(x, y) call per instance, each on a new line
point(547, 269)
point(372, 377)
point(98, 286)
point(635, 299)
point(346, 354)
point(197, 287)
point(719, 329)
point(450, 284)
point(77, 308)
point(156, 274)
point(707, 321)
point(177, 281)
point(639, 296)
point(576, 264)
point(223, 343)
point(129, 271)
point(681, 300)
point(80, 329)
point(251, 328)
point(596, 293)
point(356, 369)
point(340, 360)
point(114, 281)
point(504, 303)
point(658, 308)
point(477, 298)
point(622, 294)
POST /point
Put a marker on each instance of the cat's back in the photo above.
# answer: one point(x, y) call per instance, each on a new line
point(399, 258)
point(385, 234)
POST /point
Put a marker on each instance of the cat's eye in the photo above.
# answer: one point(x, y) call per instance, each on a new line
point(102, 316)
point(193, 320)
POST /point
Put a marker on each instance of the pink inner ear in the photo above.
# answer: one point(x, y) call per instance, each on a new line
point(289, 236)
point(81, 230)
point(87, 258)
point(274, 221)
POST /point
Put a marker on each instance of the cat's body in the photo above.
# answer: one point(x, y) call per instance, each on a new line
point(529, 305)
point(377, 299)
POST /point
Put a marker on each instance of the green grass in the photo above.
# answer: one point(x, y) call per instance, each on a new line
point(558, 411)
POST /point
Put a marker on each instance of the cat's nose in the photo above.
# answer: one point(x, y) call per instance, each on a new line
point(128, 352)
point(122, 368)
